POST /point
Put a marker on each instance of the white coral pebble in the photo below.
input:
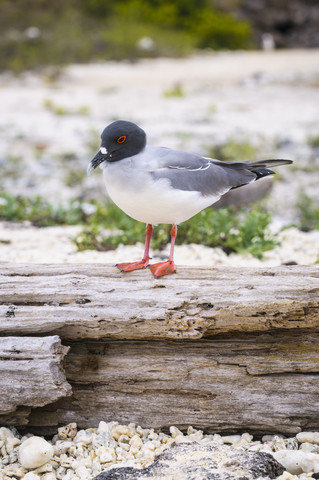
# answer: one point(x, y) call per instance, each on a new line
point(35, 452)
point(31, 476)
point(119, 430)
point(311, 437)
point(297, 462)
point(48, 476)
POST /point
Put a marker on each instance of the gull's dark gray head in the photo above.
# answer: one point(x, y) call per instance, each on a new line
point(120, 139)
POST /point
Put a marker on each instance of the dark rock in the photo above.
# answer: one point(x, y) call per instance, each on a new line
point(210, 461)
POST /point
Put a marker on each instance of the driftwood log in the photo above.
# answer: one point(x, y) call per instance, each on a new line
point(31, 372)
point(220, 349)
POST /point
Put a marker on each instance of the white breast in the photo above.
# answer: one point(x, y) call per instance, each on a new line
point(134, 191)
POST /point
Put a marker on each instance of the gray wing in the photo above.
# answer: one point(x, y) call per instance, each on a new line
point(210, 177)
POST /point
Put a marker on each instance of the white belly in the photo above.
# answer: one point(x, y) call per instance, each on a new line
point(155, 203)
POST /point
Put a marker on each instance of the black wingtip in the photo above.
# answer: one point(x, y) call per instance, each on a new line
point(262, 172)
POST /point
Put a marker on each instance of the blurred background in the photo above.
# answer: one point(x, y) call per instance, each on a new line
point(233, 79)
point(38, 33)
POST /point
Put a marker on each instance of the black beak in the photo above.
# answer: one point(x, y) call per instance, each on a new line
point(99, 158)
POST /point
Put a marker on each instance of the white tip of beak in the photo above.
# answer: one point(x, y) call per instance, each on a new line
point(97, 160)
point(89, 169)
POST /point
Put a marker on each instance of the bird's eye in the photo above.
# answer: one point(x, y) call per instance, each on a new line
point(121, 139)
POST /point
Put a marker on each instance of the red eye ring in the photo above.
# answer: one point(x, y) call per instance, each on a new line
point(121, 139)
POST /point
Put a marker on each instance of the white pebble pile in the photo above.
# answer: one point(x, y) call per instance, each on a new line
point(74, 454)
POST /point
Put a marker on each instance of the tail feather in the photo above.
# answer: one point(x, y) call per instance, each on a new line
point(260, 168)
point(267, 163)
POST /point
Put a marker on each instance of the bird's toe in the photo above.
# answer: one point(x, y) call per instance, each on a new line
point(131, 266)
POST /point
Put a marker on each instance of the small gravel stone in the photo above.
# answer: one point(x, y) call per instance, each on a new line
point(309, 447)
point(119, 430)
point(31, 476)
point(83, 437)
point(47, 467)
point(67, 432)
point(48, 476)
point(231, 439)
point(311, 437)
point(62, 446)
point(175, 431)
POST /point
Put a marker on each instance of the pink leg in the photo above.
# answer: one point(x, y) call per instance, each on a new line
point(168, 267)
point(130, 266)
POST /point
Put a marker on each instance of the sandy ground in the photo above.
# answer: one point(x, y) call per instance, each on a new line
point(50, 131)
point(54, 245)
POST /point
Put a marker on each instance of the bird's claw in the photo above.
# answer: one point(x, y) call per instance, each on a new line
point(162, 268)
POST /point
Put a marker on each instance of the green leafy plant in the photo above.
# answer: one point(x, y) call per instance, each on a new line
point(105, 226)
point(308, 213)
point(40, 212)
point(219, 30)
point(243, 231)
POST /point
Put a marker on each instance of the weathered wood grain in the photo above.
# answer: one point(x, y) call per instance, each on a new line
point(221, 349)
point(31, 372)
point(260, 383)
point(96, 301)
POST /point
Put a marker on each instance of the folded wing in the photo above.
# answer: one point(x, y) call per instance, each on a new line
point(210, 177)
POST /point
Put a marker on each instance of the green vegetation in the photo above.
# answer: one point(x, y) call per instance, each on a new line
point(313, 141)
point(106, 226)
point(60, 110)
point(35, 34)
point(40, 212)
point(308, 213)
point(243, 231)
point(176, 91)
point(234, 150)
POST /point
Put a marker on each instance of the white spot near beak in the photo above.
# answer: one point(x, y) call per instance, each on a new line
point(103, 150)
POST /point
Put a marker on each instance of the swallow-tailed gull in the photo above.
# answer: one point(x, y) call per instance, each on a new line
point(160, 185)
